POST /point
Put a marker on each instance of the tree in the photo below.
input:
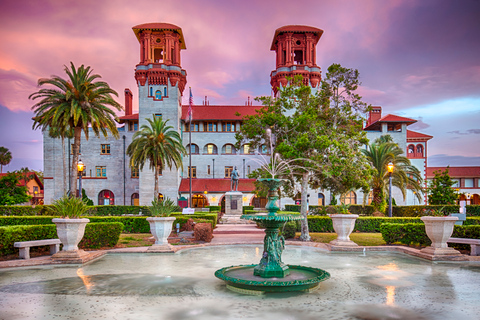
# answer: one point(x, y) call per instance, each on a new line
point(5, 157)
point(157, 144)
point(440, 189)
point(78, 103)
point(405, 175)
point(321, 134)
point(11, 192)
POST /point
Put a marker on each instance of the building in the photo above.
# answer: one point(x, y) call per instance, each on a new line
point(161, 81)
point(34, 186)
point(467, 181)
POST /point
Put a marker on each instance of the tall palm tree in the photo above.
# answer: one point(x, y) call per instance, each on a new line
point(158, 144)
point(76, 104)
point(405, 175)
point(5, 157)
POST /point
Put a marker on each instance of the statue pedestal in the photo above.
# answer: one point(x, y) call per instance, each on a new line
point(233, 203)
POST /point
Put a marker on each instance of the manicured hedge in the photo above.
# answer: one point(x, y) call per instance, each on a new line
point(414, 233)
point(133, 224)
point(215, 208)
point(247, 208)
point(362, 224)
point(97, 235)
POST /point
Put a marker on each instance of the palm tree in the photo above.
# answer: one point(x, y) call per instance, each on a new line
point(405, 175)
point(74, 105)
point(5, 157)
point(158, 144)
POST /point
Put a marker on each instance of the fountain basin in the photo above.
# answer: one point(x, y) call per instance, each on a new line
point(242, 279)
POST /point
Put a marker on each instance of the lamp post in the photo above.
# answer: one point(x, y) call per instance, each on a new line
point(80, 168)
point(390, 167)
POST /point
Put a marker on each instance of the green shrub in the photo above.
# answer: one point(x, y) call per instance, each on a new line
point(100, 235)
point(214, 208)
point(245, 208)
point(473, 210)
point(97, 235)
point(405, 233)
point(289, 229)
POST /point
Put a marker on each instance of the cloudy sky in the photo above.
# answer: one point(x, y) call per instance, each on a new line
point(417, 59)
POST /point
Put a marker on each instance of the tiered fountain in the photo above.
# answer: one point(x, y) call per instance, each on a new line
point(271, 274)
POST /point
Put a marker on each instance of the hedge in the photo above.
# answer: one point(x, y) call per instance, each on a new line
point(215, 208)
point(133, 224)
point(245, 208)
point(414, 233)
point(97, 235)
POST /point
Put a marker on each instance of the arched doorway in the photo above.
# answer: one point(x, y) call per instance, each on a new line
point(474, 199)
point(105, 198)
point(349, 198)
point(199, 201)
point(259, 202)
point(321, 199)
point(135, 199)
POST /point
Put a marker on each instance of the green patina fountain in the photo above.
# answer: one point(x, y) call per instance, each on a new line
point(271, 274)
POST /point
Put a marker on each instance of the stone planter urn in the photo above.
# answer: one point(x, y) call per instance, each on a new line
point(343, 225)
point(439, 230)
point(160, 227)
point(70, 232)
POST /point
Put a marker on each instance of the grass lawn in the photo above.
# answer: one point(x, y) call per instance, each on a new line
point(135, 240)
point(360, 238)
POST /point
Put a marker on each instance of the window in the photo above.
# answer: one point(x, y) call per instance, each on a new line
point(349, 198)
point(193, 148)
point(321, 199)
point(228, 171)
point(228, 126)
point(101, 171)
point(193, 127)
point(211, 127)
point(456, 184)
point(420, 150)
point(199, 201)
point(263, 149)
point(158, 115)
point(248, 169)
point(246, 149)
point(135, 199)
point(132, 126)
point(151, 92)
point(208, 169)
point(135, 172)
point(194, 172)
point(228, 149)
point(158, 95)
point(210, 149)
point(165, 91)
point(105, 149)
point(468, 183)
point(79, 149)
point(106, 198)
point(411, 149)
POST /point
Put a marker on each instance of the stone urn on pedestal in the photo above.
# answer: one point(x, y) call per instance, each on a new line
point(161, 224)
point(343, 224)
point(439, 230)
point(70, 229)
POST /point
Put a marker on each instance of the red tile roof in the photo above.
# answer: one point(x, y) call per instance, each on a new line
point(417, 136)
point(456, 172)
point(219, 112)
point(215, 185)
point(21, 181)
point(389, 118)
point(133, 116)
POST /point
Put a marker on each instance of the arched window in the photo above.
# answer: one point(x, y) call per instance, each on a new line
point(158, 95)
point(210, 149)
point(321, 199)
point(228, 149)
point(411, 148)
point(246, 149)
point(135, 199)
point(151, 92)
point(349, 198)
point(193, 148)
point(199, 201)
point(419, 150)
point(105, 198)
point(165, 91)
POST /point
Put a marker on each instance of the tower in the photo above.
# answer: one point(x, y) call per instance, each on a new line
point(161, 81)
point(295, 48)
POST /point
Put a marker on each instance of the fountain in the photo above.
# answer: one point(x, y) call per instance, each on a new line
point(271, 274)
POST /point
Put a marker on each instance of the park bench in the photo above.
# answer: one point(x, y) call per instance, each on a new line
point(25, 246)
point(474, 244)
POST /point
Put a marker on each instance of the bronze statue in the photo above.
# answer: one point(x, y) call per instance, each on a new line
point(234, 176)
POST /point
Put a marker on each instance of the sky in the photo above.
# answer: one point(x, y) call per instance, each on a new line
point(417, 59)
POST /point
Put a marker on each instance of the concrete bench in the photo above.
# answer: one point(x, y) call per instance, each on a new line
point(25, 246)
point(474, 244)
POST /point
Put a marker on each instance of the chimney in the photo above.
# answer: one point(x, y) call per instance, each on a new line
point(374, 115)
point(128, 102)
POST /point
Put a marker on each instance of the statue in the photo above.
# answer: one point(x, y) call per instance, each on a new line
point(234, 176)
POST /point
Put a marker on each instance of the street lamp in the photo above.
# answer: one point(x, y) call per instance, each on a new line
point(80, 168)
point(390, 167)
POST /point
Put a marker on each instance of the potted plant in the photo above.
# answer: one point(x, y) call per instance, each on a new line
point(343, 223)
point(70, 227)
point(439, 228)
point(161, 223)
